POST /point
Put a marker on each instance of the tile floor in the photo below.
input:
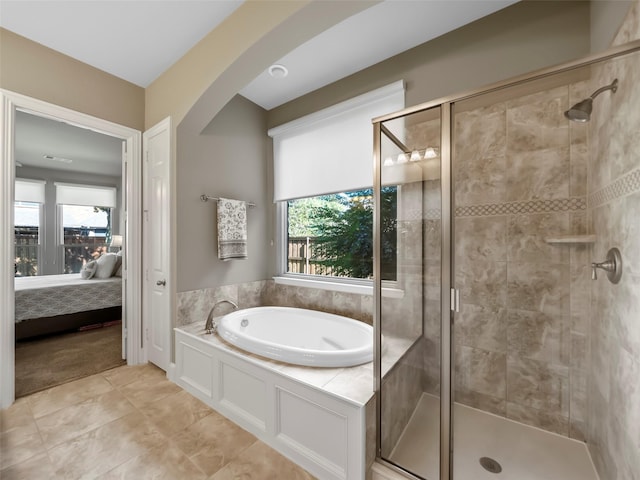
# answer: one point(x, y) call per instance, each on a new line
point(524, 452)
point(130, 423)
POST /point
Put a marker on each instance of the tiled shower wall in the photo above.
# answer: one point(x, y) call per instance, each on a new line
point(520, 176)
point(614, 204)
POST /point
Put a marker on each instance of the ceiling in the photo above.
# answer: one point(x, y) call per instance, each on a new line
point(138, 40)
point(375, 34)
point(89, 151)
point(133, 40)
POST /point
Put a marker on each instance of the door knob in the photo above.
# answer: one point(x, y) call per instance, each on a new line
point(161, 283)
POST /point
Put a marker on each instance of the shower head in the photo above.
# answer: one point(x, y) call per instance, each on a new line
point(581, 111)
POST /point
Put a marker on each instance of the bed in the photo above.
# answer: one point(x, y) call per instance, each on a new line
point(56, 303)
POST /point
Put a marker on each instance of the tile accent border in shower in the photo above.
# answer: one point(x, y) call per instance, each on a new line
point(532, 206)
point(629, 183)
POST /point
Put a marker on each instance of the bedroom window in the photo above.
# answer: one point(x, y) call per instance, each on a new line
point(85, 214)
point(86, 233)
point(29, 198)
point(28, 219)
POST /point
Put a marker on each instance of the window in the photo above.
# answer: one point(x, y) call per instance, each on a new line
point(86, 231)
point(29, 197)
point(331, 234)
point(27, 222)
point(85, 214)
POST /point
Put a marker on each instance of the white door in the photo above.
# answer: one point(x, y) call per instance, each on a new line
point(156, 150)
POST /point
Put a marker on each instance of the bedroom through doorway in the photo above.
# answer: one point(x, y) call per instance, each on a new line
point(69, 224)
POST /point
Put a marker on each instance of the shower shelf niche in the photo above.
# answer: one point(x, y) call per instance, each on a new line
point(571, 239)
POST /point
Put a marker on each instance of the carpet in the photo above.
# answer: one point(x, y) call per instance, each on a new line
point(46, 362)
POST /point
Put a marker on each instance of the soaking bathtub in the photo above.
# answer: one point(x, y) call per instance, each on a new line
point(299, 336)
point(314, 416)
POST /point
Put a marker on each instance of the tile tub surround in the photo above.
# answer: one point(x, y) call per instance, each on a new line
point(400, 329)
point(613, 383)
point(521, 336)
point(194, 305)
point(116, 424)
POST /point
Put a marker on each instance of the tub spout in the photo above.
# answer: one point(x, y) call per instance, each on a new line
point(210, 327)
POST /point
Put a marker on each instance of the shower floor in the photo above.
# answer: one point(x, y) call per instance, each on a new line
point(525, 453)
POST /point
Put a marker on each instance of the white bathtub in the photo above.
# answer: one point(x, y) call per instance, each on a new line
point(299, 336)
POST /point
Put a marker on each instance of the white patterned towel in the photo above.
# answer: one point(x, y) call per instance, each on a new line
point(232, 229)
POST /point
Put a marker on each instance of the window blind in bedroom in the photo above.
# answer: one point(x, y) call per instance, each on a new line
point(72, 194)
point(29, 190)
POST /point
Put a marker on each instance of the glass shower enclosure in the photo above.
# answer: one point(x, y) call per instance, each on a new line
point(486, 338)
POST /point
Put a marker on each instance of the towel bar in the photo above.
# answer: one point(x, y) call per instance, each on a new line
point(206, 198)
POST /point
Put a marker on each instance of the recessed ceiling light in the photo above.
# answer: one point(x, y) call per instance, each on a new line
point(278, 71)
point(57, 159)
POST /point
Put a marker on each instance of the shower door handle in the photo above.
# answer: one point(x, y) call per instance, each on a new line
point(455, 300)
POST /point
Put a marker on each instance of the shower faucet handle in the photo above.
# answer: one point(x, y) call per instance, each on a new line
point(606, 266)
point(612, 265)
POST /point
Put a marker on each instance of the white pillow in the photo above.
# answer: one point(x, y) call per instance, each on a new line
point(89, 270)
point(105, 265)
point(117, 266)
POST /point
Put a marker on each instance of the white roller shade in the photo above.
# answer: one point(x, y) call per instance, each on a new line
point(29, 190)
point(70, 194)
point(331, 150)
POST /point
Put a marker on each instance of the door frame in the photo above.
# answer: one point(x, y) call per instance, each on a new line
point(132, 203)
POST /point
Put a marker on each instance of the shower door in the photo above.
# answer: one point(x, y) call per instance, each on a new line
point(409, 305)
point(519, 179)
point(496, 346)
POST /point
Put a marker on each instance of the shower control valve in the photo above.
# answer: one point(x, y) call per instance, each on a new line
point(612, 265)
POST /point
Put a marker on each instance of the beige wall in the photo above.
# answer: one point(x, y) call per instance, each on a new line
point(31, 69)
point(516, 40)
point(228, 159)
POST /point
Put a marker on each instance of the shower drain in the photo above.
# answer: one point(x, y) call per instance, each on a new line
point(490, 465)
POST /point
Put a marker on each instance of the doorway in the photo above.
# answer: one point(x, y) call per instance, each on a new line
point(131, 231)
point(68, 219)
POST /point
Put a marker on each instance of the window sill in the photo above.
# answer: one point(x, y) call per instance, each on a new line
point(338, 286)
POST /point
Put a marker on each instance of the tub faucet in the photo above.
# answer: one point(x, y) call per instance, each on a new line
point(209, 326)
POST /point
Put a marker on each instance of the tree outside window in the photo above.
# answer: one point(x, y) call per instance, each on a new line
point(332, 235)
